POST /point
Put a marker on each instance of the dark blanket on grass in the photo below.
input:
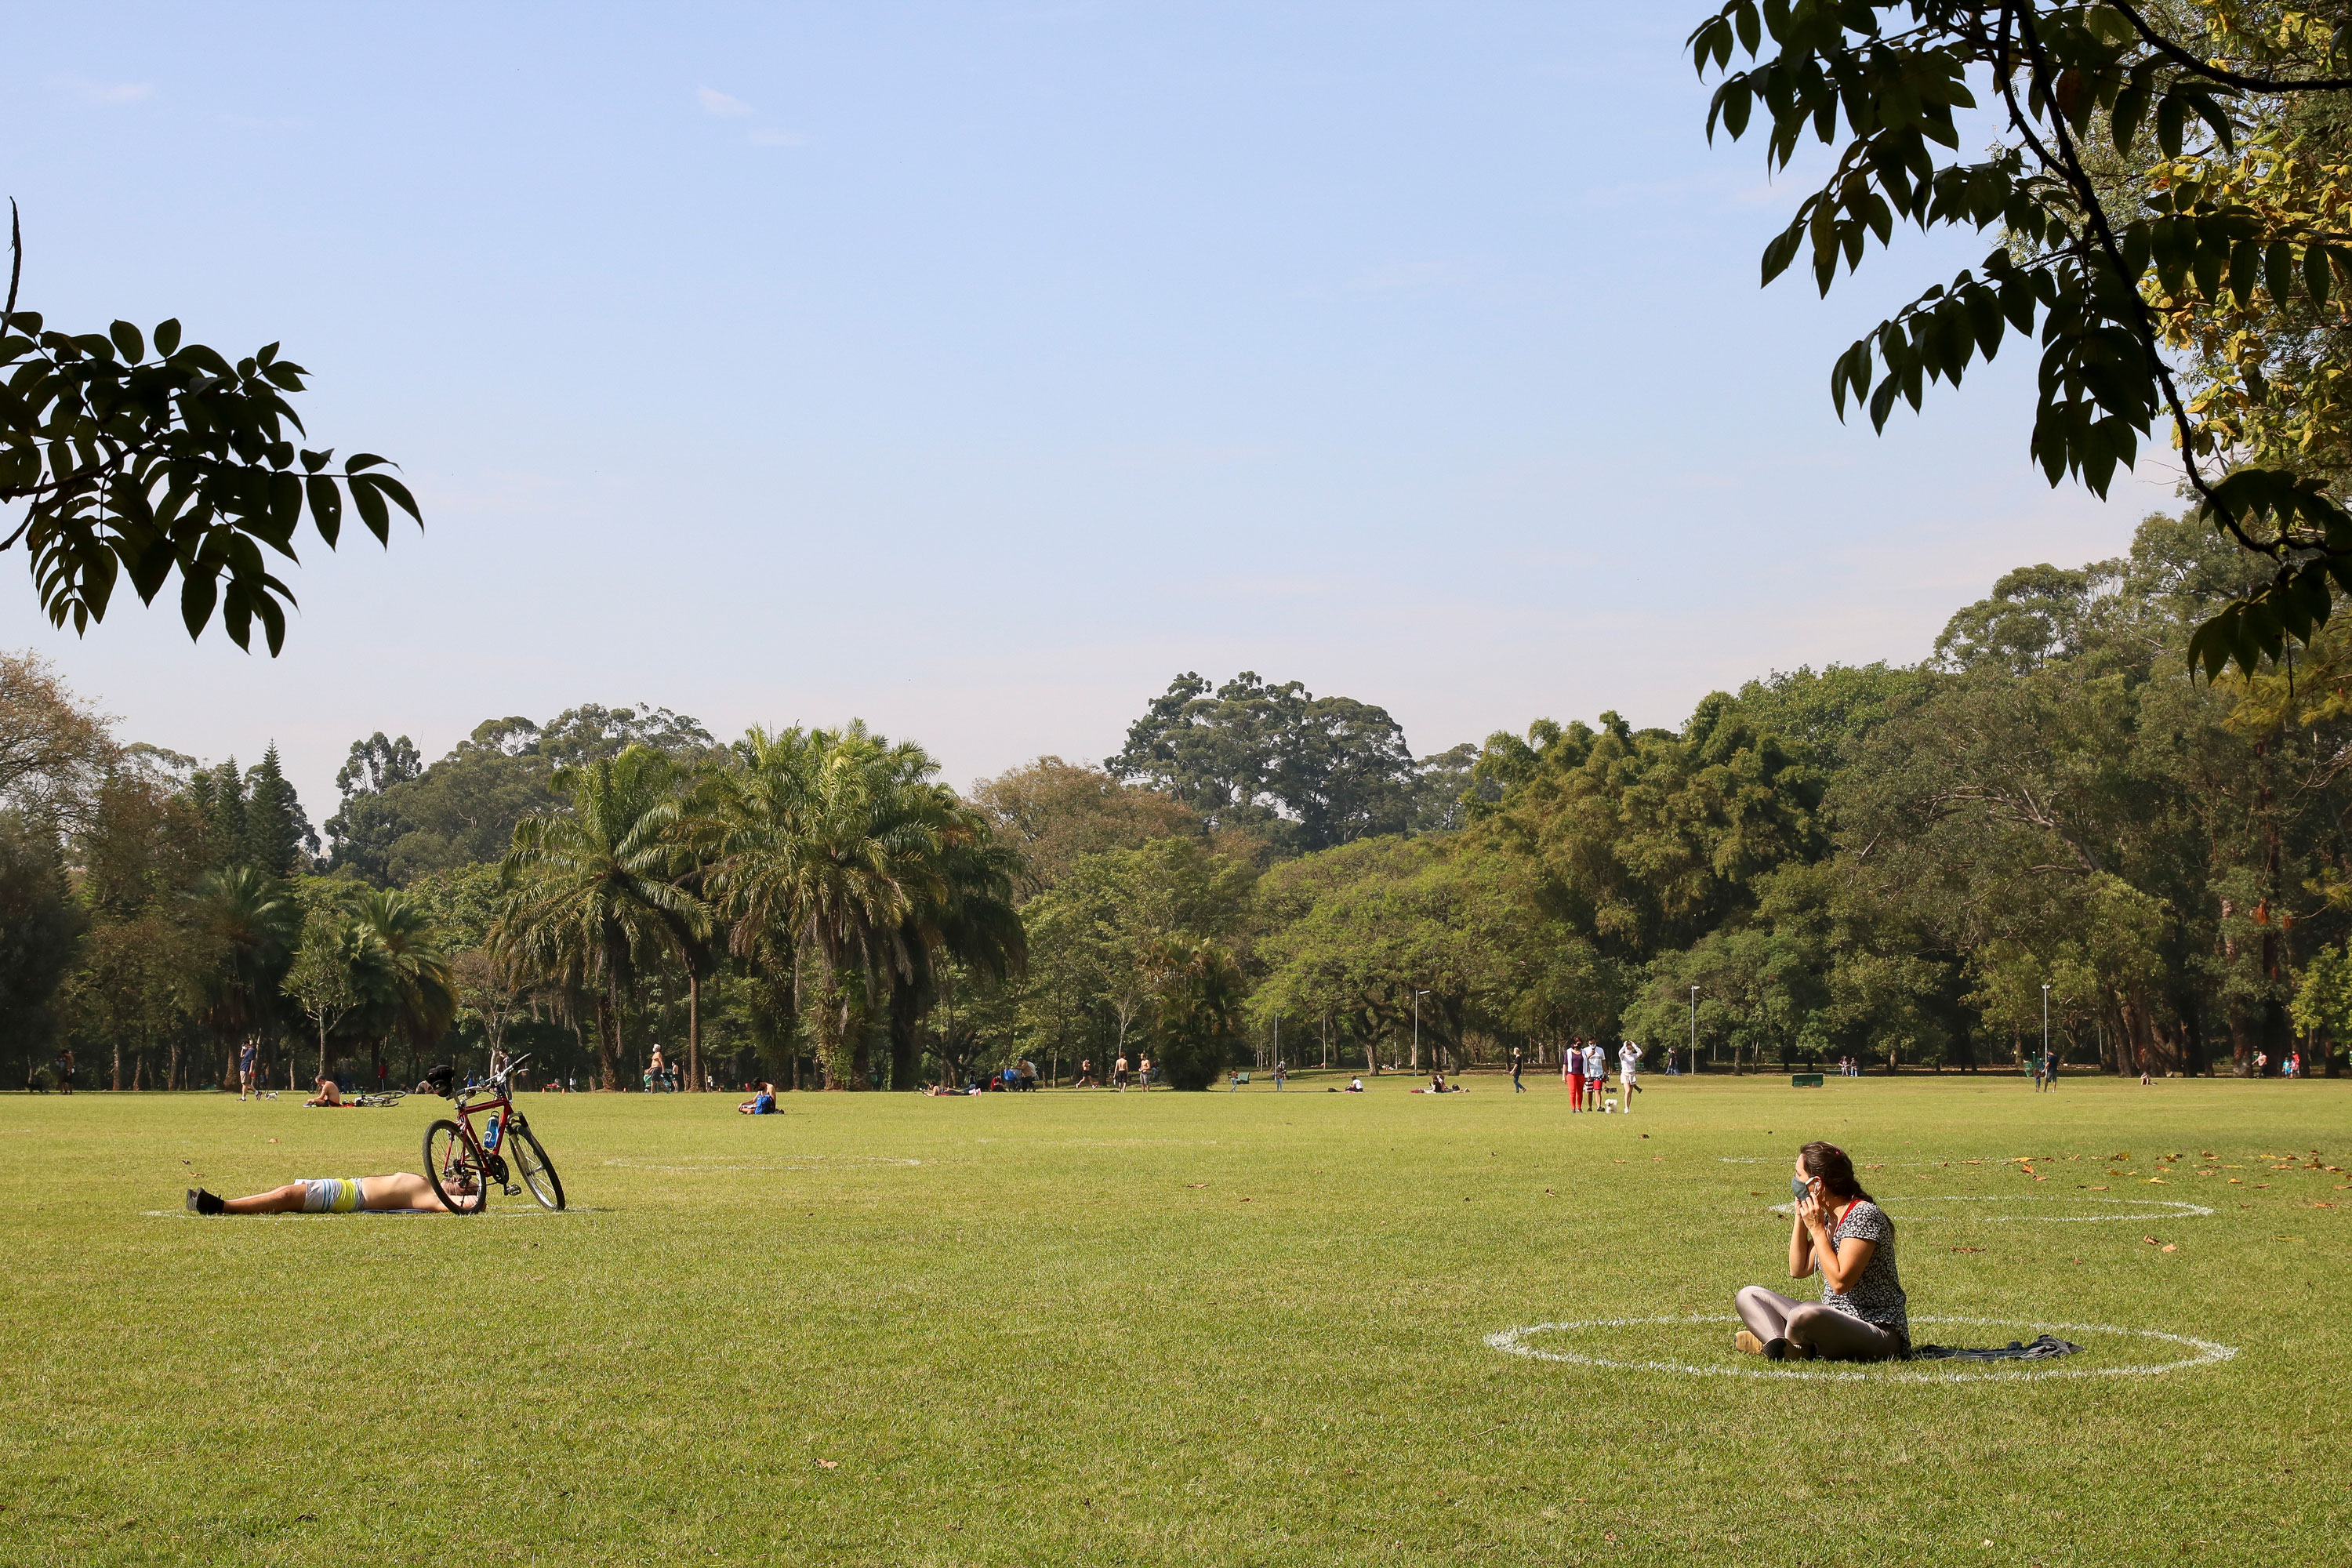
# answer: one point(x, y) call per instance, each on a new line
point(2041, 1349)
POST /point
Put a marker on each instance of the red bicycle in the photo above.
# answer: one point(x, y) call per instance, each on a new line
point(462, 1164)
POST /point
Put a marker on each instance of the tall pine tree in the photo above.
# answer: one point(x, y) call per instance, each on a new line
point(218, 794)
point(275, 826)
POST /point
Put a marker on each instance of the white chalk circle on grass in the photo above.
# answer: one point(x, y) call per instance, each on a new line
point(2141, 1208)
point(754, 1164)
point(2202, 1353)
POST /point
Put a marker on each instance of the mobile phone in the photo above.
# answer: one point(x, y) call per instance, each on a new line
point(1797, 1188)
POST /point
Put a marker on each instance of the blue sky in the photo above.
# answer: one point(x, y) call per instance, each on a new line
point(975, 369)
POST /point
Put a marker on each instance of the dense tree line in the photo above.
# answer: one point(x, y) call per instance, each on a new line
point(1894, 864)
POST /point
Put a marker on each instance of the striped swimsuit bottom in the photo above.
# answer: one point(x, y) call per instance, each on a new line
point(333, 1195)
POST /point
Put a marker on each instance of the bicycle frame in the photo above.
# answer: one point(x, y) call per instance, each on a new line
point(489, 1162)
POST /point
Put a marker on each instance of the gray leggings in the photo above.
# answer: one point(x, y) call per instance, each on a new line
point(1808, 1325)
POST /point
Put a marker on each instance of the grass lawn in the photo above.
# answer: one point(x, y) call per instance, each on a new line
point(1091, 1328)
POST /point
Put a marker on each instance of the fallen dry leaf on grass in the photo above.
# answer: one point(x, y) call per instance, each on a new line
point(1196, 1183)
point(2100, 1188)
point(2168, 1247)
point(827, 1465)
point(1968, 1249)
point(2150, 1240)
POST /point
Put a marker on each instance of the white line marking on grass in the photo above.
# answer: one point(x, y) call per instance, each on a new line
point(732, 1164)
point(1513, 1341)
point(2147, 1208)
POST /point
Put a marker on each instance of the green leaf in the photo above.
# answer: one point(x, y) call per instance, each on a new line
point(167, 338)
point(2245, 271)
point(398, 495)
point(197, 596)
point(2278, 270)
point(2211, 259)
point(369, 502)
point(326, 508)
point(127, 342)
point(2168, 117)
point(2315, 278)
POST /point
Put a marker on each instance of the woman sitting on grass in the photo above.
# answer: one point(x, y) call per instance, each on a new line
point(333, 1195)
point(1839, 1229)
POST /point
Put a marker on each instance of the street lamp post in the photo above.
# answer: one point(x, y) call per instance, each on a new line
point(1693, 1049)
point(1416, 1028)
point(2045, 1023)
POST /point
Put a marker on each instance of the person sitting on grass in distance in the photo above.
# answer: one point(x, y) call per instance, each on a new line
point(760, 1104)
point(328, 1094)
point(347, 1195)
point(1355, 1085)
point(1838, 1228)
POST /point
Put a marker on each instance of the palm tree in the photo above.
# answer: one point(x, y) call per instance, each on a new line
point(596, 892)
point(251, 923)
point(401, 968)
point(971, 923)
point(827, 843)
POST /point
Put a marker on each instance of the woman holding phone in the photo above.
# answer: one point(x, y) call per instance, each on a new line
point(1837, 1228)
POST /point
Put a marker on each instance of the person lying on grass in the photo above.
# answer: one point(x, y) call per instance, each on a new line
point(1837, 1228)
point(346, 1194)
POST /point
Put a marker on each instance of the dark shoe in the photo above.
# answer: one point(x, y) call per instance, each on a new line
point(1776, 1350)
point(203, 1202)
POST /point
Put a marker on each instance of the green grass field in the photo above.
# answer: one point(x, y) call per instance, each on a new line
point(1088, 1328)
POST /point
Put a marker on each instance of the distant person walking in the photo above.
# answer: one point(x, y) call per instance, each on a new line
point(1143, 1074)
point(1629, 1061)
point(1572, 1068)
point(1596, 1073)
point(245, 1055)
point(1278, 1077)
point(66, 1070)
point(1119, 1075)
point(1516, 1087)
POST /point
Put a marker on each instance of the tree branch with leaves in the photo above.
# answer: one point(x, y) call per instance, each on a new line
point(143, 459)
point(1881, 80)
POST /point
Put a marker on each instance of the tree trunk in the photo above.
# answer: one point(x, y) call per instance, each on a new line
point(831, 1030)
point(693, 1031)
point(858, 1024)
point(116, 1083)
point(172, 1073)
point(902, 1036)
point(608, 1035)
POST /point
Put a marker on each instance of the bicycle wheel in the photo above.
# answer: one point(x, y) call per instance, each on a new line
point(454, 1169)
point(532, 1163)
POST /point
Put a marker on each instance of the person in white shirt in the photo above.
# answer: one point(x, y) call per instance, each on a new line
point(1629, 1058)
point(1596, 1073)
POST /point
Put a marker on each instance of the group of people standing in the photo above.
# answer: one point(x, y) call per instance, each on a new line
point(1119, 1075)
point(1585, 1067)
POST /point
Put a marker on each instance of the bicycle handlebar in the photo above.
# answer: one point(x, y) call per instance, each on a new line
point(497, 1080)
